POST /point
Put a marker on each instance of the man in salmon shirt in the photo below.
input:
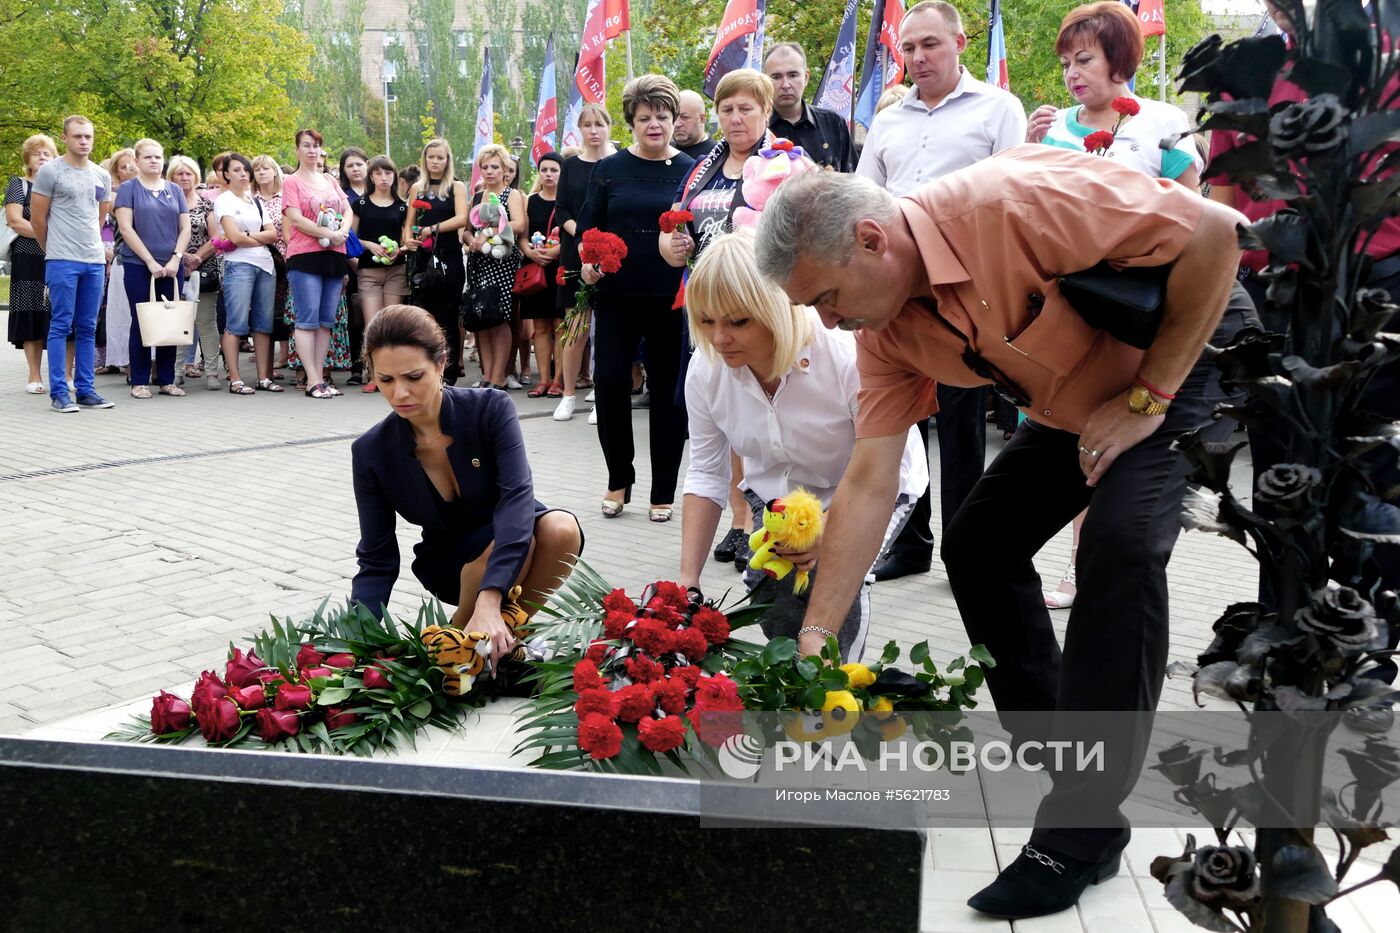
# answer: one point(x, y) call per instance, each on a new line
point(969, 295)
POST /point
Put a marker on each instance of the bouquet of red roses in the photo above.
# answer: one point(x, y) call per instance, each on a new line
point(650, 681)
point(596, 248)
point(1099, 141)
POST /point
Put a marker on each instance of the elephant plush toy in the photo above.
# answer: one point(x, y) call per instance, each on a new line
point(489, 217)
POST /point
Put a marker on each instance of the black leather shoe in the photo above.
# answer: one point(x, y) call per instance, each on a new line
point(1040, 882)
point(741, 557)
point(894, 566)
point(728, 548)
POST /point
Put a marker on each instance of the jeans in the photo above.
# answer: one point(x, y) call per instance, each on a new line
point(248, 294)
point(137, 280)
point(315, 298)
point(75, 291)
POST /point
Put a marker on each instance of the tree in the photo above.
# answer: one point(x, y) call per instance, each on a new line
point(332, 97)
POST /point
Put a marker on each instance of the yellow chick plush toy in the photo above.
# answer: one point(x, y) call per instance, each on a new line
point(793, 522)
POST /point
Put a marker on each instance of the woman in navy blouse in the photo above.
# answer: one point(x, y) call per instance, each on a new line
point(451, 461)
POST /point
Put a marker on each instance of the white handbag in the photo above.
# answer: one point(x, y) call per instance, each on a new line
point(165, 322)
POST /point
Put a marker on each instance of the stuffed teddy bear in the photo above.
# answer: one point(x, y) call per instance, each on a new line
point(793, 522)
point(329, 218)
point(489, 217)
point(764, 172)
point(390, 248)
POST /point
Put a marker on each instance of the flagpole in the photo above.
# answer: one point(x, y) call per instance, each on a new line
point(1162, 70)
point(629, 55)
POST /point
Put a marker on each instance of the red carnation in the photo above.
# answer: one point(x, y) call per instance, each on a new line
point(599, 736)
point(670, 694)
point(666, 615)
point(1127, 106)
point(691, 643)
point(559, 278)
point(308, 656)
point(242, 669)
point(661, 735)
point(615, 624)
point(690, 676)
point(420, 205)
point(218, 722)
point(617, 601)
point(293, 696)
point(376, 678)
point(651, 636)
point(337, 716)
point(712, 623)
point(169, 713)
point(670, 594)
point(602, 249)
point(671, 220)
point(344, 661)
point(596, 702)
point(634, 702)
point(598, 652)
point(586, 677)
point(643, 669)
point(274, 724)
point(252, 696)
point(1098, 141)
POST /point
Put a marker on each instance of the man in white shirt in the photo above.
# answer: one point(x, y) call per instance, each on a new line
point(948, 121)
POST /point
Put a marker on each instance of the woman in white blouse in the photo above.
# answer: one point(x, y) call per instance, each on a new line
point(780, 390)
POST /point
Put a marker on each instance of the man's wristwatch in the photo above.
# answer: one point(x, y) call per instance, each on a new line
point(1141, 402)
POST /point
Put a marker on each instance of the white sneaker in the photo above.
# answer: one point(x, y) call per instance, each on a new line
point(593, 415)
point(591, 396)
point(36, 388)
point(513, 383)
point(565, 409)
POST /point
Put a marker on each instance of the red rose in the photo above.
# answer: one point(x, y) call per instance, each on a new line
point(1099, 140)
point(690, 676)
point(308, 656)
point(617, 601)
point(586, 677)
point(1127, 106)
point(691, 643)
point(643, 669)
point(615, 623)
point(242, 669)
point(218, 722)
point(311, 672)
point(598, 652)
point(207, 689)
point(634, 702)
point(340, 660)
point(651, 636)
point(377, 679)
point(169, 713)
point(662, 735)
point(596, 702)
point(599, 736)
point(293, 696)
point(267, 677)
point(670, 694)
point(274, 724)
point(337, 716)
point(717, 692)
point(252, 696)
point(712, 623)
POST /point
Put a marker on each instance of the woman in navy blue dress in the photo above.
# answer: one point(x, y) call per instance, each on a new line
point(451, 461)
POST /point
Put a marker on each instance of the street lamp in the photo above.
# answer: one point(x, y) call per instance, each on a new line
point(520, 147)
point(389, 71)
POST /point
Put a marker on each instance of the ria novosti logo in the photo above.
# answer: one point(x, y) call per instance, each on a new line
point(741, 756)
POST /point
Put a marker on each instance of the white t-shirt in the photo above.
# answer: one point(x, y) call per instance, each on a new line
point(1135, 144)
point(248, 218)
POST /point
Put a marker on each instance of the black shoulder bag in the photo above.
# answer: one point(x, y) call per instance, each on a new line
point(1127, 303)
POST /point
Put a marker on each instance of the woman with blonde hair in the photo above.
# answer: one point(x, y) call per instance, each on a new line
point(204, 271)
point(29, 302)
point(437, 274)
point(267, 188)
point(777, 388)
point(490, 279)
point(114, 330)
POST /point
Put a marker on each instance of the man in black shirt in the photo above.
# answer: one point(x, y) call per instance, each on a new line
point(689, 135)
point(823, 134)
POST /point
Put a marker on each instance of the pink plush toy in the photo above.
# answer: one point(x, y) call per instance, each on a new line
point(764, 172)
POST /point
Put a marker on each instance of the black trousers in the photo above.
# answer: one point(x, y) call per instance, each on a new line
point(620, 326)
point(1115, 651)
point(962, 454)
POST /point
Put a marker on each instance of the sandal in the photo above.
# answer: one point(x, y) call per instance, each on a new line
point(660, 513)
point(583, 382)
point(330, 387)
point(173, 391)
point(555, 390)
point(319, 390)
point(194, 372)
point(140, 391)
point(539, 390)
point(370, 387)
point(240, 388)
point(612, 508)
point(1058, 598)
point(267, 385)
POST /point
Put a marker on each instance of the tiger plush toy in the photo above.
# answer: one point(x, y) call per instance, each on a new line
point(456, 653)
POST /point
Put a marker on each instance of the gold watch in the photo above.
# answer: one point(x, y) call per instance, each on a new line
point(1141, 402)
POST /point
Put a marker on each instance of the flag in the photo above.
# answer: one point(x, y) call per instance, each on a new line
point(838, 80)
point(997, 75)
point(883, 59)
point(617, 19)
point(547, 108)
point(485, 117)
point(570, 135)
point(756, 40)
point(1132, 79)
point(591, 76)
point(733, 40)
point(1152, 16)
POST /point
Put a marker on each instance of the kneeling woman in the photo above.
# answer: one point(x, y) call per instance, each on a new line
point(451, 461)
point(778, 388)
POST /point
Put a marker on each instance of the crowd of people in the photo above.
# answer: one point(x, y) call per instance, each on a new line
point(964, 211)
